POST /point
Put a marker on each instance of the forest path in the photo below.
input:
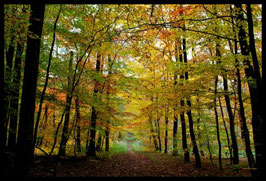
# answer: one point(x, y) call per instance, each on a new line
point(130, 164)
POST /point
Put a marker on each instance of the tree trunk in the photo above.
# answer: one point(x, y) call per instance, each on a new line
point(99, 142)
point(78, 119)
point(189, 115)
point(152, 132)
point(182, 118)
point(64, 138)
point(46, 82)
point(231, 121)
point(242, 117)
point(217, 123)
point(257, 112)
point(24, 154)
point(166, 129)
point(3, 110)
point(226, 131)
point(12, 139)
point(175, 125)
point(208, 141)
point(56, 133)
point(107, 129)
point(91, 150)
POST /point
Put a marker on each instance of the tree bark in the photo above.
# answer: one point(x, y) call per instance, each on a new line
point(175, 125)
point(217, 123)
point(24, 154)
point(64, 138)
point(107, 129)
point(255, 92)
point(242, 117)
point(46, 82)
point(91, 150)
point(231, 121)
point(226, 131)
point(166, 130)
point(189, 115)
point(12, 139)
point(78, 119)
point(182, 118)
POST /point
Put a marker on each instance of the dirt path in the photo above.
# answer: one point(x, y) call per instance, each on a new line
point(131, 164)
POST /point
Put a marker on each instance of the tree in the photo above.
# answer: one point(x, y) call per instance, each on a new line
point(24, 154)
point(255, 91)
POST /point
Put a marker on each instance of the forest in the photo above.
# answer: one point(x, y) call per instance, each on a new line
point(132, 90)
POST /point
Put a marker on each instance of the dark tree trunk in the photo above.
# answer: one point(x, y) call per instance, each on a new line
point(3, 110)
point(12, 139)
point(242, 117)
point(231, 121)
point(99, 142)
point(182, 117)
point(7, 88)
point(166, 130)
point(189, 115)
point(208, 141)
point(46, 82)
point(56, 133)
point(217, 123)
point(184, 134)
point(227, 134)
point(8, 78)
point(24, 152)
point(107, 130)
point(256, 92)
point(153, 134)
point(157, 121)
point(78, 119)
point(175, 125)
point(64, 138)
point(198, 128)
point(91, 150)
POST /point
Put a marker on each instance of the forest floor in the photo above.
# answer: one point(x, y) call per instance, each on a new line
point(132, 164)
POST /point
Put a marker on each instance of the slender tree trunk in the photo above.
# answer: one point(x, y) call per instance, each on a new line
point(256, 105)
point(99, 142)
point(231, 121)
point(7, 89)
point(91, 150)
point(8, 78)
point(182, 118)
point(12, 139)
point(175, 125)
point(166, 129)
point(226, 131)
point(78, 119)
point(24, 154)
point(189, 115)
point(3, 110)
point(107, 130)
point(242, 117)
point(153, 134)
point(217, 123)
point(56, 133)
point(184, 134)
point(157, 122)
point(208, 141)
point(257, 112)
point(159, 134)
point(62, 148)
point(46, 82)
point(199, 131)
